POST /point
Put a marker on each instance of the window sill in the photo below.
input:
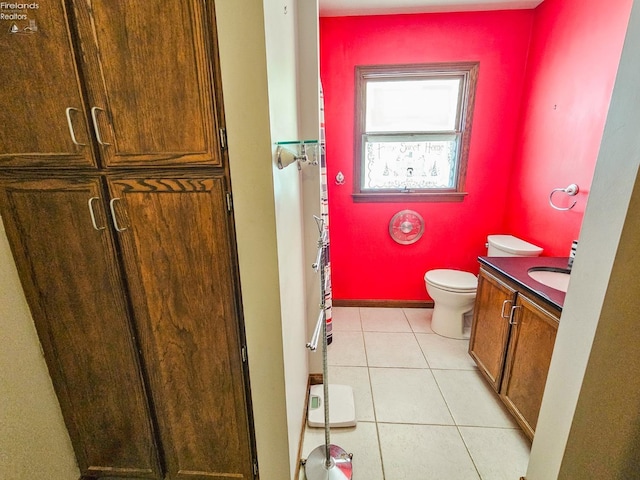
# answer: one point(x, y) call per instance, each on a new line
point(409, 197)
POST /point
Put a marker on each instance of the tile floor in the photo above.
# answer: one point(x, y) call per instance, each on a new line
point(423, 410)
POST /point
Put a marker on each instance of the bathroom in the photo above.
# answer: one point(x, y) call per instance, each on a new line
point(544, 74)
point(528, 92)
point(260, 81)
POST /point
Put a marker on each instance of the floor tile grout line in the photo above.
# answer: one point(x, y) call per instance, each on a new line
point(420, 424)
point(483, 427)
point(489, 427)
point(469, 452)
point(444, 399)
point(422, 350)
point(452, 416)
point(373, 402)
point(375, 416)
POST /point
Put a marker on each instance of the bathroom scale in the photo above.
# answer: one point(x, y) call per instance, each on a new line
point(342, 412)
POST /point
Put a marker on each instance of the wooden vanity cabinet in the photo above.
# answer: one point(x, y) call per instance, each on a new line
point(490, 328)
point(512, 339)
point(530, 348)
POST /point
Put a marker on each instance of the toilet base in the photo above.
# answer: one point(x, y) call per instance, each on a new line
point(451, 323)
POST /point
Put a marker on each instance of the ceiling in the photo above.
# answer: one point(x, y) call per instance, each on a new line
point(337, 8)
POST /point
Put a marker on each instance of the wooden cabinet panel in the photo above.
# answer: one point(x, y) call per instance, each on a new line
point(42, 104)
point(74, 288)
point(513, 353)
point(148, 368)
point(490, 329)
point(177, 254)
point(530, 350)
point(149, 73)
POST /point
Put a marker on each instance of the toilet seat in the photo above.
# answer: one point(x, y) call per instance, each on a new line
point(456, 281)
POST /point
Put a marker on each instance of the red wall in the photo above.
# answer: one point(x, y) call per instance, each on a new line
point(366, 262)
point(574, 56)
point(544, 86)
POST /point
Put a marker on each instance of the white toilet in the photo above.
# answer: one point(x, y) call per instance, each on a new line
point(454, 291)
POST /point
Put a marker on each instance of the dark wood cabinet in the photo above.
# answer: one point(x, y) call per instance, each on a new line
point(530, 348)
point(120, 223)
point(43, 118)
point(173, 238)
point(148, 67)
point(512, 339)
point(176, 252)
point(490, 332)
point(70, 275)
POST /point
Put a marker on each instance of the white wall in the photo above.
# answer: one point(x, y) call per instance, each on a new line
point(589, 424)
point(288, 92)
point(34, 442)
point(244, 76)
point(282, 66)
point(309, 119)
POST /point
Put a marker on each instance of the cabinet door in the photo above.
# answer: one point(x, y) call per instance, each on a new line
point(42, 119)
point(69, 273)
point(490, 328)
point(530, 350)
point(175, 240)
point(149, 74)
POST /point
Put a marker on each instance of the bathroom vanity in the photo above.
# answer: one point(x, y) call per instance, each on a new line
point(515, 321)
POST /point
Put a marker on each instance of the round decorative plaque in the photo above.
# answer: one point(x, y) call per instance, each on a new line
point(406, 227)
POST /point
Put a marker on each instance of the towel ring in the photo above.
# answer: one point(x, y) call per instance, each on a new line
point(571, 190)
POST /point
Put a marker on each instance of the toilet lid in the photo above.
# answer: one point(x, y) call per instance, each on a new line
point(514, 245)
point(452, 280)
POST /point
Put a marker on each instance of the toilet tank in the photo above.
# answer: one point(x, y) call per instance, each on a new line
point(510, 246)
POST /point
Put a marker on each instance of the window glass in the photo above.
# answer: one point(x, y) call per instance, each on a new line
point(413, 125)
point(413, 105)
point(409, 164)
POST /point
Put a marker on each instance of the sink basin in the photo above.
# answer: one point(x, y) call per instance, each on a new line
point(557, 278)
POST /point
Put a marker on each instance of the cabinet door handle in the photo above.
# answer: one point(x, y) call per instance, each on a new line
point(70, 125)
point(96, 128)
point(504, 304)
point(113, 215)
point(93, 216)
point(512, 315)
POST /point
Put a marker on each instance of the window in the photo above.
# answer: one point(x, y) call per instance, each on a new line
point(413, 125)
